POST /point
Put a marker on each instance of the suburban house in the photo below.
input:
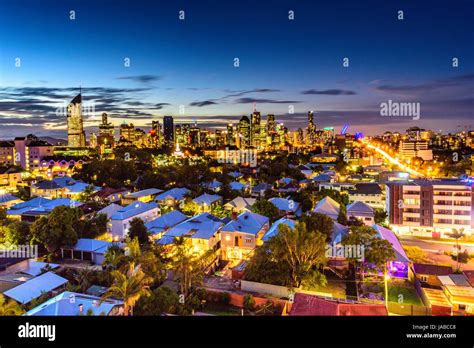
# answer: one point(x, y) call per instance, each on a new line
point(121, 219)
point(274, 229)
point(87, 249)
point(327, 206)
point(241, 235)
point(397, 268)
point(428, 274)
point(35, 287)
point(369, 193)
point(48, 189)
point(73, 303)
point(208, 202)
point(361, 211)
point(110, 195)
point(286, 207)
point(172, 197)
point(110, 210)
point(203, 232)
point(240, 204)
point(75, 190)
point(162, 224)
point(30, 210)
point(7, 200)
point(142, 196)
point(235, 175)
point(258, 191)
point(213, 185)
point(237, 186)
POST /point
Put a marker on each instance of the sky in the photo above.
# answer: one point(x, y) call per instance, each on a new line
point(186, 68)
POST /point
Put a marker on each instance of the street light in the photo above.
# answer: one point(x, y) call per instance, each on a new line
point(386, 279)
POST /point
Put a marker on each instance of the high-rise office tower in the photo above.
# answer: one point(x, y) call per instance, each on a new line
point(255, 120)
point(168, 130)
point(76, 137)
point(106, 136)
point(230, 135)
point(244, 132)
point(311, 130)
point(127, 132)
point(271, 125)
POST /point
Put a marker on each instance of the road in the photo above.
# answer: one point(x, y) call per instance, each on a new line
point(435, 250)
point(393, 160)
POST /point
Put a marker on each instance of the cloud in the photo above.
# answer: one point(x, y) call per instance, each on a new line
point(459, 81)
point(203, 103)
point(264, 101)
point(328, 92)
point(144, 79)
point(244, 92)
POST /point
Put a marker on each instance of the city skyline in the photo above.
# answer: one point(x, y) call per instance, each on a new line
point(176, 64)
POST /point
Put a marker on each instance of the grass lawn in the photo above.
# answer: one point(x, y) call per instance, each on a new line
point(410, 295)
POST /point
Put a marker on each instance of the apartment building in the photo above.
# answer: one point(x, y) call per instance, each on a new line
point(409, 149)
point(430, 208)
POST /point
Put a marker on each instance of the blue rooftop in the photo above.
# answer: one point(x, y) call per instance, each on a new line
point(33, 288)
point(274, 229)
point(68, 303)
point(165, 221)
point(133, 209)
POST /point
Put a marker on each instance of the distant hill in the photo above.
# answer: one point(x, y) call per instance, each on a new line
point(54, 141)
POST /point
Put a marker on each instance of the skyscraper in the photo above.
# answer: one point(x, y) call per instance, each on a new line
point(76, 137)
point(244, 132)
point(168, 130)
point(255, 120)
point(311, 130)
point(271, 125)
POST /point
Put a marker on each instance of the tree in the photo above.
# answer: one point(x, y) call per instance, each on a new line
point(461, 258)
point(138, 230)
point(114, 257)
point(188, 268)
point(57, 229)
point(86, 195)
point(162, 300)
point(319, 223)
point(17, 233)
point(9, 307)
point(129, 286)
point(190, 207)
point(457, 235)
point(377, 251)
point(266, 208)
point(298, 251)
point(151, 265)
point(341, 217)
point(380, 217)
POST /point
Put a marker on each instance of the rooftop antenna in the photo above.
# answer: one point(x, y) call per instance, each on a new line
point(80, 89)
point(254, 106)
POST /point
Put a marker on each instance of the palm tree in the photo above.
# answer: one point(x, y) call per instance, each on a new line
point(189, 267)
point(9, 307)
point(114, 257)
point(457, 235)
point(83, 278)
point(129, 286)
